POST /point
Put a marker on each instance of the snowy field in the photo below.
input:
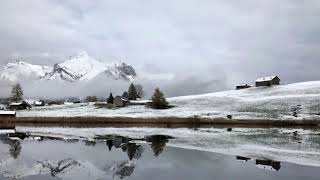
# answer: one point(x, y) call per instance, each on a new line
point(277, 102)
point(274, 144)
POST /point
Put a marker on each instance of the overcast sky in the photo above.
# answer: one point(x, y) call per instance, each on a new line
point(232, 41)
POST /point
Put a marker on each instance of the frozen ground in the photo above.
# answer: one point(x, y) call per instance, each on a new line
point(275, 144)
point(277, 102)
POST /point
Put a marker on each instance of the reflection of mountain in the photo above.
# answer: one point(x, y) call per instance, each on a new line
point(124, 169)
point(60, 167)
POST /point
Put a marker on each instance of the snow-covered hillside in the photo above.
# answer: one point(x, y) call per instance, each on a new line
point(80, 67)
point(293, 101)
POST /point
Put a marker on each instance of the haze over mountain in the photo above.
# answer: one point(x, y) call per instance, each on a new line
point(80, 67)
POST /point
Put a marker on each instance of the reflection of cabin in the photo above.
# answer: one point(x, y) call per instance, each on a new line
point(19, 106)
point(241, 158)
point(243, 86)
point(268, 81)
point(119, 101)
point(7, 114)
point(275, 165)
point(55, 103)
point(39, 103)
point(72, 100)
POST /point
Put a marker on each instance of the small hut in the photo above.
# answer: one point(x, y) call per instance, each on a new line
point(119, 101)
point(268, 81)
point(243, 86)
point(19, 106)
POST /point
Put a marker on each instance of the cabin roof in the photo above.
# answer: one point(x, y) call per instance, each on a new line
point(7, 112)
point(15, 104)
point(263, 79)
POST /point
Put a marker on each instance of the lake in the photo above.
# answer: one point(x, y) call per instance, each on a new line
point(159, 153)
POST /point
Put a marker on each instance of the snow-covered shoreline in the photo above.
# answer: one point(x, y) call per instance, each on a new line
point(276, 102)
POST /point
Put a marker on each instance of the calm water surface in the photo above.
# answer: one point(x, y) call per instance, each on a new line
point(117, 157)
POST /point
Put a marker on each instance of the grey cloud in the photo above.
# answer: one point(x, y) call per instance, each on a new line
point(190, 38)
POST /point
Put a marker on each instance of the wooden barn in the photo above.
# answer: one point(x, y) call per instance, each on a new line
point(268, 81)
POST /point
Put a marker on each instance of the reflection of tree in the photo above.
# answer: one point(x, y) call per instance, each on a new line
point(90, 143)
point(60, 167)
point(158, 142)
point(134, 150)
point(158, 147)
point(109, 144)
point(124, 169)
point(15, 148)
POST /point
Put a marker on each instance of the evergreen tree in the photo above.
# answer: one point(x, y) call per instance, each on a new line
point(125, 95)
point(158, 100)
point(110, 99)
point(16, 93)
point(132, 92)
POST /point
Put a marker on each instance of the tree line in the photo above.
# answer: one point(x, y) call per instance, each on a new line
point(134, 92)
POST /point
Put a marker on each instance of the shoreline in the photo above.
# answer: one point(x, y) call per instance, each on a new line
point(166, 122)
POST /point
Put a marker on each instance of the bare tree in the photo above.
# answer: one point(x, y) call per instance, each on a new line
point(16, 93)
point(139, 89)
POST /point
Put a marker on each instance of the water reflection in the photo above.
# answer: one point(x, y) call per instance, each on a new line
point(60, 167)
point(158, 142)
point(120, 157)
point(262, 163)
point(14, 146)
point(274, 165)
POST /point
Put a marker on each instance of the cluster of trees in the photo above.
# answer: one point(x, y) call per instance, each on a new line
point(134, 92)
point(91, 99)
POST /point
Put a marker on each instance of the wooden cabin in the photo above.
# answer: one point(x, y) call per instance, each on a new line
point(268, 81)
point(119, 101)
point(19, 106)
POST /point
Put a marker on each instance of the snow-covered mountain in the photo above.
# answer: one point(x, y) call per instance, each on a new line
point(19, 70)
point(81, 67)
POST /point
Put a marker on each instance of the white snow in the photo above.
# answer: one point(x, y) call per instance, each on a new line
point(83, 66)
point(274, 102)
point(7, 112)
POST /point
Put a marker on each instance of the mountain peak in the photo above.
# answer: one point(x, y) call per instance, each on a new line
point(80, 54)
point(80, 67)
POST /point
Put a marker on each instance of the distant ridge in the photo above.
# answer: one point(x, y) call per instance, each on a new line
point(80, 67)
